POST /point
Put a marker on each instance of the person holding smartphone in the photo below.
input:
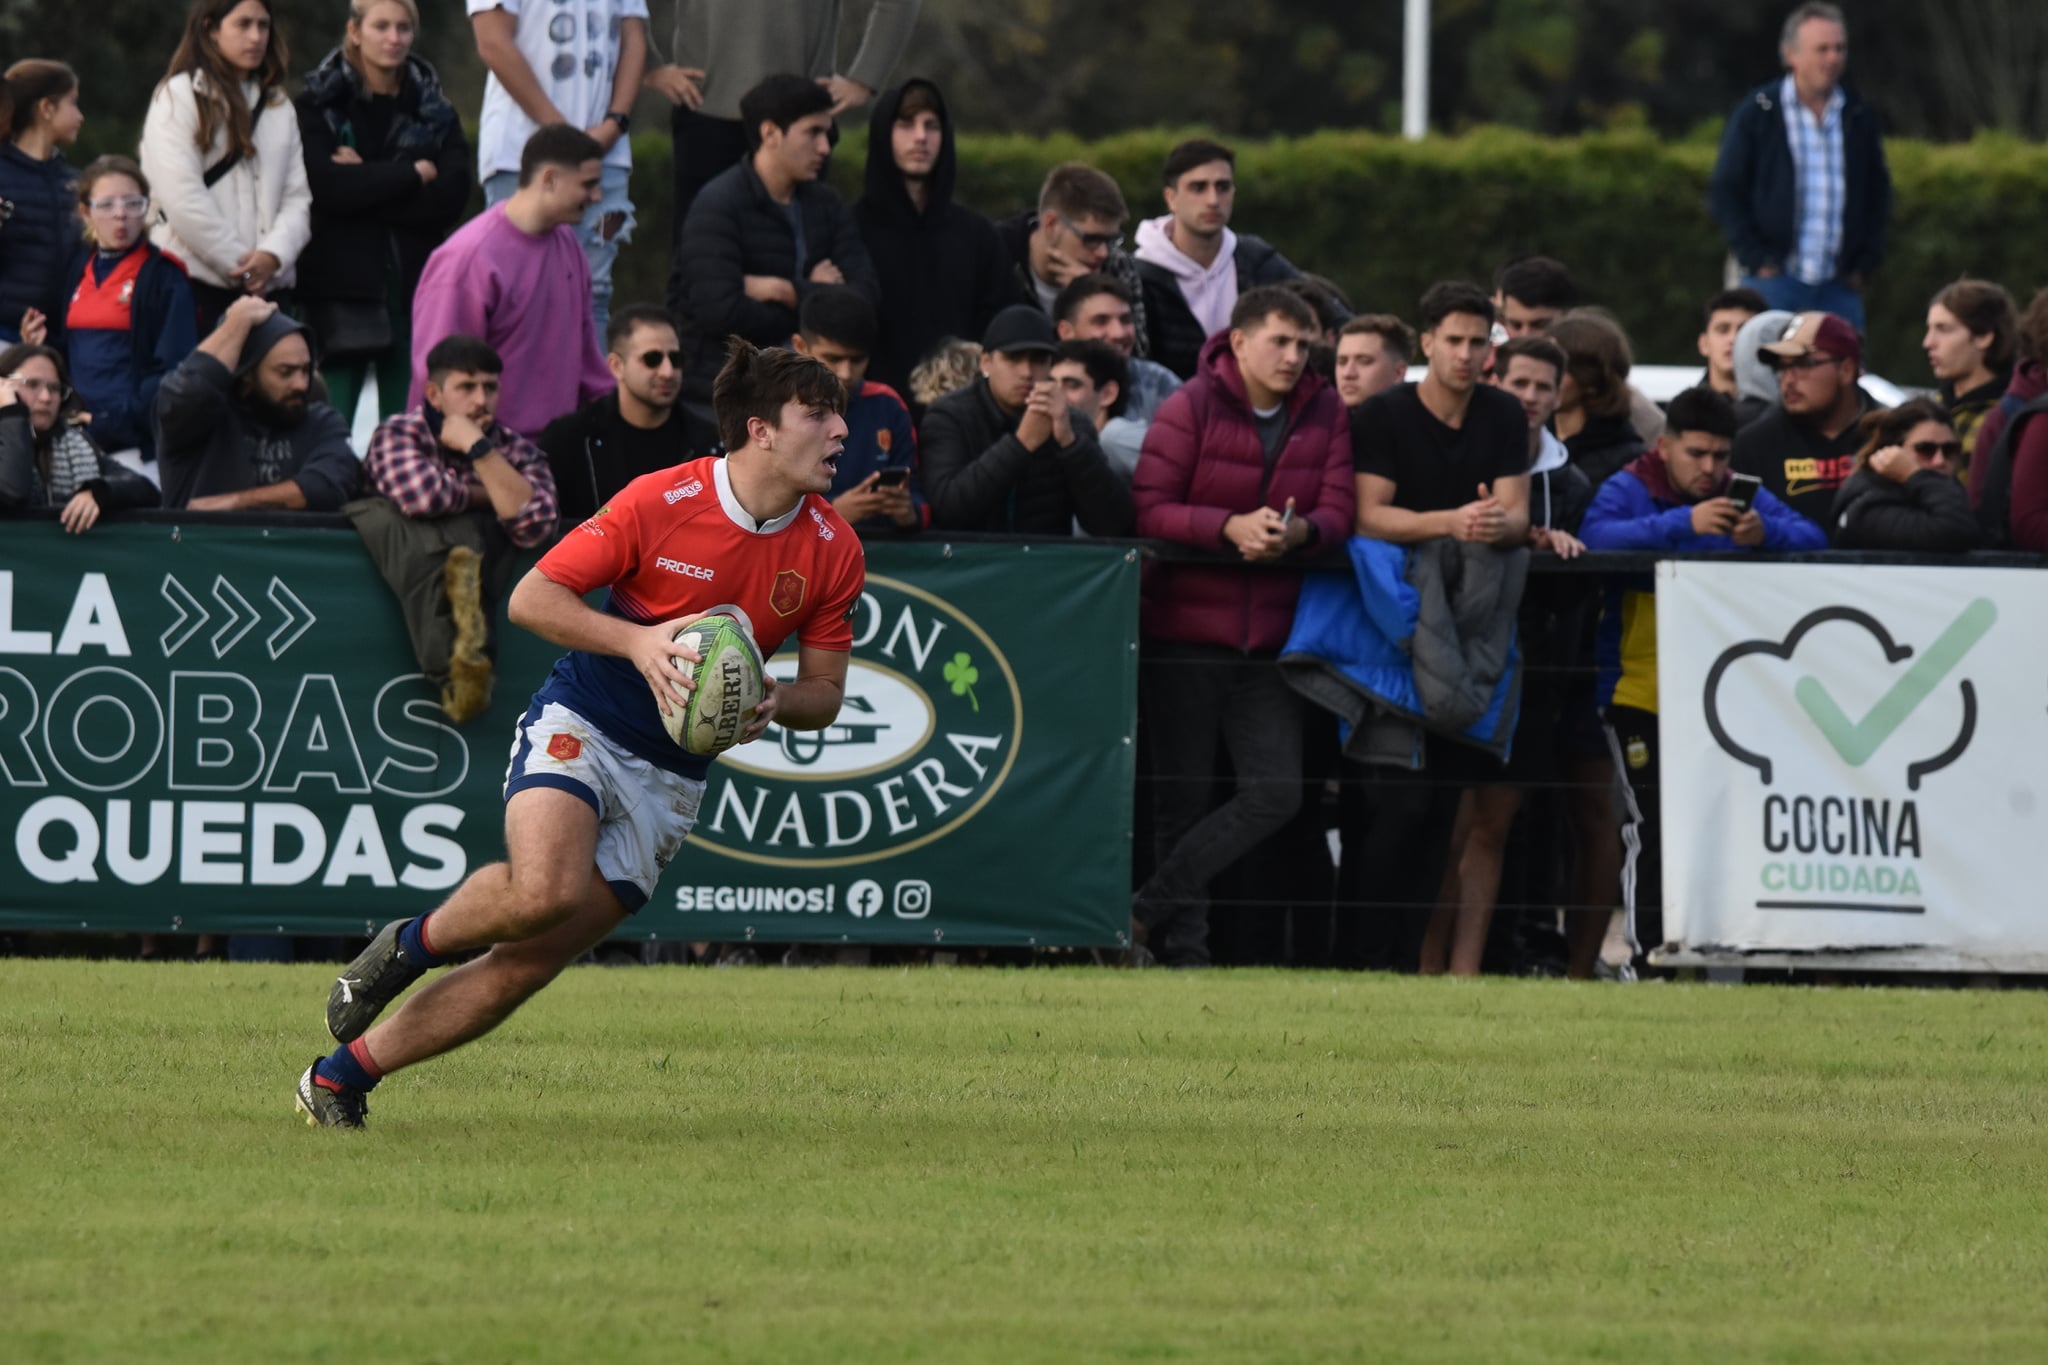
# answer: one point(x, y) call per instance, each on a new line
point(875, 486)
point(1677, 496)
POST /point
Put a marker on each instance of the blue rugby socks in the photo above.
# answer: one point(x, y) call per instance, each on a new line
point(414, 945)
point(349, 1067)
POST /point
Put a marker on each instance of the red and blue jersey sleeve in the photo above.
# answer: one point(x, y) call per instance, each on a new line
point(604, 549)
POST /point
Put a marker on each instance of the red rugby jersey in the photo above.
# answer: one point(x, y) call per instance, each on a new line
point(677, 543)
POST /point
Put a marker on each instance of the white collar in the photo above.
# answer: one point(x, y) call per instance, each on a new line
point(721, 479)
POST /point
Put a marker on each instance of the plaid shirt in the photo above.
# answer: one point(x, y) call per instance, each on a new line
point(1820, 184)
point(408, 465)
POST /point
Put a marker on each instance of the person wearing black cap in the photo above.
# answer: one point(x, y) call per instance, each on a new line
point(237, 429)
point(1805, 449)
point(1005, 453)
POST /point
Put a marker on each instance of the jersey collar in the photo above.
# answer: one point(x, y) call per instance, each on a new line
point(721, 479)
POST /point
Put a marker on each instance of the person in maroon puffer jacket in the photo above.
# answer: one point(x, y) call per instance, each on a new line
point(1251, 459)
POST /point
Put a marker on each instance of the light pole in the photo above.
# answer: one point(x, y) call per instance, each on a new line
point(1415, 70)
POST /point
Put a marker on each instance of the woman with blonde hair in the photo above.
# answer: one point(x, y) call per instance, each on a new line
point(389, 168)
point(222, 148)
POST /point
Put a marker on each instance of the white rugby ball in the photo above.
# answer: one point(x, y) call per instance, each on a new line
point(728, 684)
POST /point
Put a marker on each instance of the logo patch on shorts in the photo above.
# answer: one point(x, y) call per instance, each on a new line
point(788, 593)
point(1638, 754)
point(565, 748)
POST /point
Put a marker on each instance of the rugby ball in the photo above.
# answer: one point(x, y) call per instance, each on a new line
point(728, 684)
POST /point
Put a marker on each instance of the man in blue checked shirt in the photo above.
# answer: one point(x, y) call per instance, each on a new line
point(1801, 187)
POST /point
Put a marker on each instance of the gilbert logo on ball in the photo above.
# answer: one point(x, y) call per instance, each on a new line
point(926, 737)
point(728, 683)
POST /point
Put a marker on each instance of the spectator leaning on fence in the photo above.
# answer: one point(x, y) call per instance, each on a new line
point(38, 183)
point(1097, 307)
point(1093, 378)
point(516, 277)
point(766, 233)
point(221, 146)
point(1372, 356)
point(1971, 343)
point(389, 168)
point(636, 429)
point(577, 62)
point(938, 263)
point(1192, 265)
point(1077, 229)
point(1806, 448)
point(1904, 494)
point(2009, 468)
point(1801, 188)
point(1251, 461)
point(129, 321)
point(47, 454)
point(236, 429)
point(1006, 453)
point(1726, 312)
point(875, 487)
point(1673, 498)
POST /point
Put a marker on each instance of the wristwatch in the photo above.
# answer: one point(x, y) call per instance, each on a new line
point(625, 121)
point(482, 448)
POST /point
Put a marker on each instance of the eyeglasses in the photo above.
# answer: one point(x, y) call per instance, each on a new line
point(1094, 241)
point(126, 204)
point(1806, 362)
point(1927, 450)
point(38, 387)
point(652, 359)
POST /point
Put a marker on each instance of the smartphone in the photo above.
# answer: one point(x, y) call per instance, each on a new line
point(895, 477)
point(1742, 490)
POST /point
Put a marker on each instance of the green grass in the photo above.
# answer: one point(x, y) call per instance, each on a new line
point(935, 1165)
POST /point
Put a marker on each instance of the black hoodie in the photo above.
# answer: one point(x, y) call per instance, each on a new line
point(943, 272)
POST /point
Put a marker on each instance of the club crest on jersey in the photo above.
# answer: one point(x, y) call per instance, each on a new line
point(884, 439)
point(788, 593)
point(565, 748)
point(688, 490)
point(824, 531)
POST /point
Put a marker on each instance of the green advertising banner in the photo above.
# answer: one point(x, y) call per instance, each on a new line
point(222, 728)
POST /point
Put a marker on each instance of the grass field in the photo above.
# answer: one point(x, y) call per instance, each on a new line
point(935, 1165)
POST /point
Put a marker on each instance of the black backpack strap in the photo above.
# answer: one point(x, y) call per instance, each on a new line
point(233, 158)
point(1994, 512)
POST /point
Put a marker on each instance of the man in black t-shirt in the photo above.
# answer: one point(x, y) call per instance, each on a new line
point(1448, 456)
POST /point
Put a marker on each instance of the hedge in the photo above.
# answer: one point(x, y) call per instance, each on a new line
point(1627, 211)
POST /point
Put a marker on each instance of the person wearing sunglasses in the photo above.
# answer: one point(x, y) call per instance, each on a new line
point(639, 428)
point(1805, 449)
point(1076, 229)
point(1904, 494)
point(46, 457)
point(130, 319)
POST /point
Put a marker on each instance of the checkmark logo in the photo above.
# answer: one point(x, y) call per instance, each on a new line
point(1858, 741)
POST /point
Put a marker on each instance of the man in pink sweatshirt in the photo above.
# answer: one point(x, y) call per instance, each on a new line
point(515, 275)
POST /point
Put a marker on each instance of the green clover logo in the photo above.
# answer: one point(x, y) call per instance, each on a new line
point(962, 673)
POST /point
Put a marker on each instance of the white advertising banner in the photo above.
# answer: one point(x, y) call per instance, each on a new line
point(1853, 762)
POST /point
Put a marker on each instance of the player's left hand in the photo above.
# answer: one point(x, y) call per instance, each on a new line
point(764, 714)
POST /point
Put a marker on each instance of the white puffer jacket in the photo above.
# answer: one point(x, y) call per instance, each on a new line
point(263, 204)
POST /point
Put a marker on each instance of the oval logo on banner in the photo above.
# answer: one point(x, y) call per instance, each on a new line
point(927, 734)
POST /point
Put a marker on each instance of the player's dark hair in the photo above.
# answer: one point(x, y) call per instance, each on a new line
point(1537, 282)
point(781, 99)
point(462, 354)
point(1532, 348)
point(1398, 335)
point(1104, 365)
point(618, 333)
point(1728, 300)
point(1254, 306)
point(1452, 296)
point(1082, 288)
point(838, 313)
point(1701, 409)
point(556, 144)
point(1196, 151)
point(756, 383)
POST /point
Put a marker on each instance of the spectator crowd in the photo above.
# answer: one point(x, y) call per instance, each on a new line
point(197, 325)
